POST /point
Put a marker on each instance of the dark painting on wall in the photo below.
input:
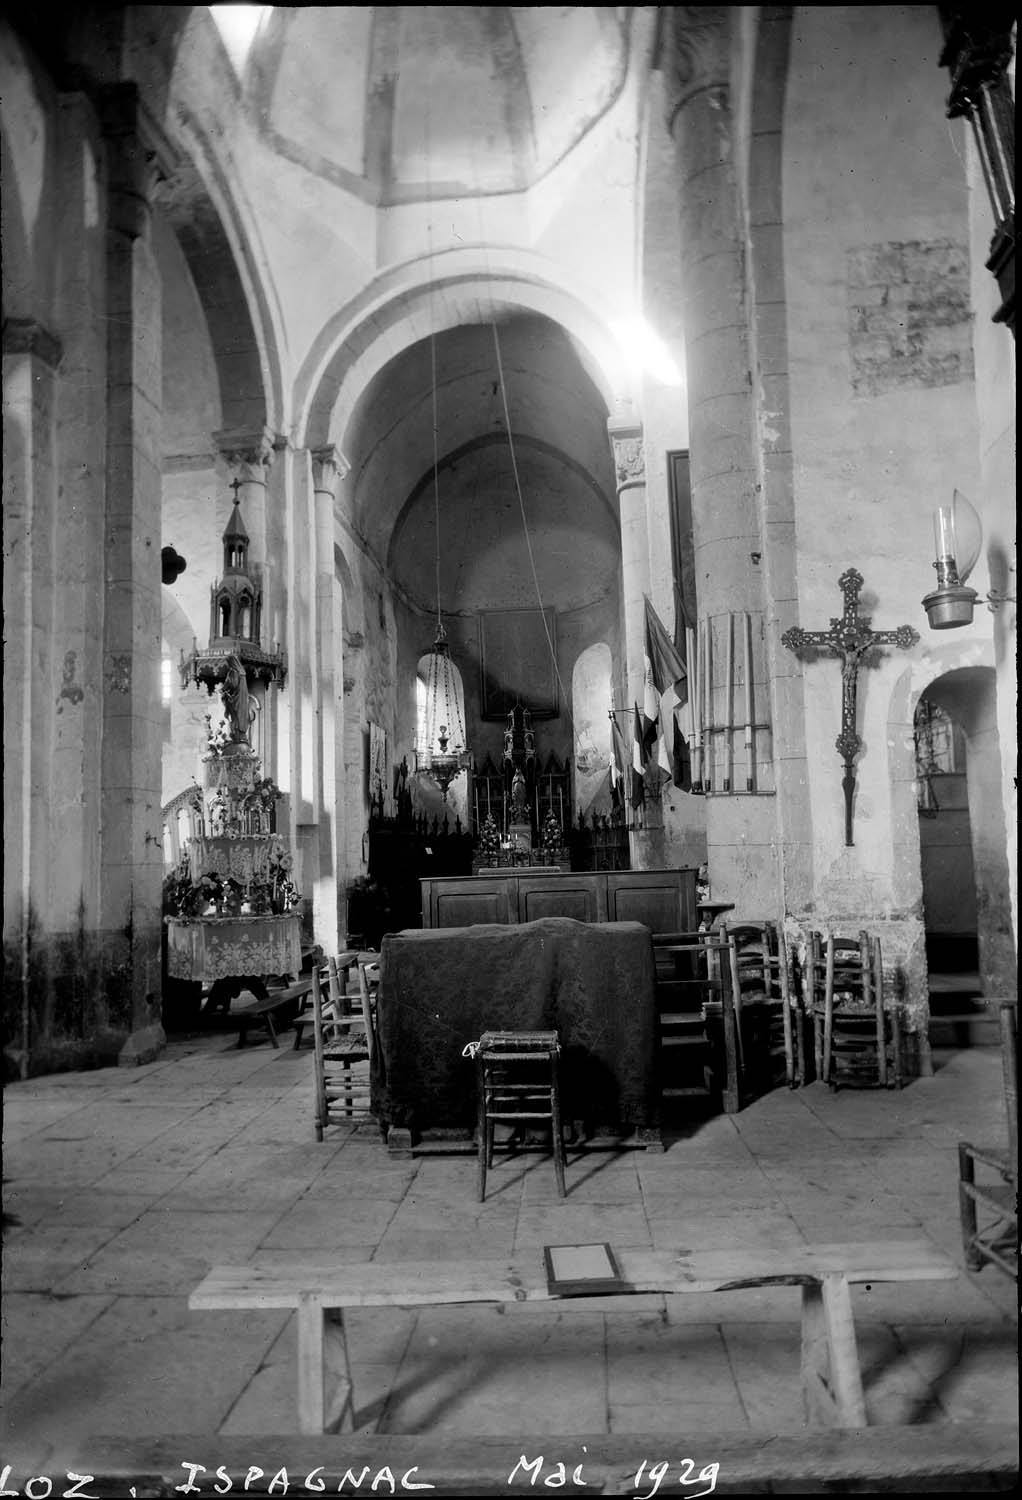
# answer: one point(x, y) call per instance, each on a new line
point(517, 661)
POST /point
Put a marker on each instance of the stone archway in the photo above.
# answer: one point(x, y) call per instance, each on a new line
point(968, 697)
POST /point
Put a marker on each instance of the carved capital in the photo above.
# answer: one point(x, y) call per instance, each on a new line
point(695, 53)
point(328, 466)
point(249, 452)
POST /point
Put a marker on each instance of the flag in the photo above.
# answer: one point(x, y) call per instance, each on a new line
point(640, 759)
point(681, 773)
point(665, 670)
point(619, 763)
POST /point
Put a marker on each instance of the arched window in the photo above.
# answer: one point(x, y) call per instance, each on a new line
point(224, 611)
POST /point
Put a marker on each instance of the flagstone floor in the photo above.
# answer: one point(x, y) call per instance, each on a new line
point(125, 1186)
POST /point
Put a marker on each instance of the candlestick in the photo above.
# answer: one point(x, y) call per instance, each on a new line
point(748, 674)
point(729, 672)
point(697, 707)
point(747, 634)
point(708, 691)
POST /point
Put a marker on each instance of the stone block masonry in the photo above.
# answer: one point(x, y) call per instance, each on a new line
point(909, 323)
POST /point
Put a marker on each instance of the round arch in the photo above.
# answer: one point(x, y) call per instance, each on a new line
point(960, 677)
point(428, 296)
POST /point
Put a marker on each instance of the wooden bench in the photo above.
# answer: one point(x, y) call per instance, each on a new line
point(264, 1012)
point(831, 1378)
point(978, 1455)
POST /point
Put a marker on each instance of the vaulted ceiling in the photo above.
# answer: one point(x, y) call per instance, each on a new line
point(352, 93)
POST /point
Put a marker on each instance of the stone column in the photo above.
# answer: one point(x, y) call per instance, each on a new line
point(329, 467)
point(727, 547)
point(31, 356)
point(646, 845)
point(132, 849)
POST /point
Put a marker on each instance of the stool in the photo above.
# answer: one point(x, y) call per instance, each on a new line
point(517, 1081)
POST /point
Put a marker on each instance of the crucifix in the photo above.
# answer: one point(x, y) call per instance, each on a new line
point(849, 638)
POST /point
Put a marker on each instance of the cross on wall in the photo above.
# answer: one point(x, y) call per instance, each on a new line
point(849, 638)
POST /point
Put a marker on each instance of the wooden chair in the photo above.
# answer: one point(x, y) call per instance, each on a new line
point(341, 1043)
point(766, 1018)
point(516, 1078)
point(989, 1205)
point(700, 1049)
point(855, 1038)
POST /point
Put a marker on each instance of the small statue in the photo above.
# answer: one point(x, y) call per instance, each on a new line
point(239, 708)
point(518, 795)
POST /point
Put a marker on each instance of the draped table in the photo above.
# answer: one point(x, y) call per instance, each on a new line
point(440, 988)
point(212, 948)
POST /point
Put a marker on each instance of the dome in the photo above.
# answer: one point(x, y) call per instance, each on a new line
point(396, 102)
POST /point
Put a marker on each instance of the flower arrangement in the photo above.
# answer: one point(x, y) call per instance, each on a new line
point(218, 737)
point(489, 838)
point(553, 837)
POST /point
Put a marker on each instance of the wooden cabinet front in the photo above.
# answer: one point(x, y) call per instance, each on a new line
point(578, 896)
point(663, 900)
point(657, 898)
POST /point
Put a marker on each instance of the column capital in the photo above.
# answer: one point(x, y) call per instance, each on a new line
point(695, 53)
point(626, 441)
point(250, 448)
point(329, 465)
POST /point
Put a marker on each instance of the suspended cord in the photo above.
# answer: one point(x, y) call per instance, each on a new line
point(432, 362)
point(525, 529)
point(436, 471)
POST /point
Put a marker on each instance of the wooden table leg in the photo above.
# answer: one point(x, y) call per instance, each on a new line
point(831, 1378)
point(311, 1403)
point(340, 1408)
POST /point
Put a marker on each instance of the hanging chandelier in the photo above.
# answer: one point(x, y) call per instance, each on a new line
point(443, 755)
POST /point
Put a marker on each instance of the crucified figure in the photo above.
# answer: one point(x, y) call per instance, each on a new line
point(849, 638)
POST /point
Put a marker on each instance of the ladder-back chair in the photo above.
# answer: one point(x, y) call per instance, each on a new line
point(988, 1203)
point(700, 1035)
point(764, 1004)
point(341, 1045)
point(517, 1084)
point(856, 1039)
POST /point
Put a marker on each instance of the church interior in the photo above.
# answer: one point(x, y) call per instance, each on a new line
point(510, 635)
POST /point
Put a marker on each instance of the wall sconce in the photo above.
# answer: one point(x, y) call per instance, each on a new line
point(958, 535)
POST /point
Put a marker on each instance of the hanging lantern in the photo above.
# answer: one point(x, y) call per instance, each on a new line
point(442, 755)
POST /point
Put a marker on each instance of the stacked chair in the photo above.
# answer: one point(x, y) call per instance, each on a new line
point(856, 1039)
point(343, 1029)
point(988, 1177)
point(700, 1052)
point(768, 1022)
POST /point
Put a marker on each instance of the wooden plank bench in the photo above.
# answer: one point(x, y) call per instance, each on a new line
point(963, 1456)
point(266, 1012)
point(831, 1377)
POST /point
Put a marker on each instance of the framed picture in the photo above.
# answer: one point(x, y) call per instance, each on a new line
point(517, 658)
point(581, 1270)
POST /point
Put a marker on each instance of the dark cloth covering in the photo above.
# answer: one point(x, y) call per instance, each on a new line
point(441, 988)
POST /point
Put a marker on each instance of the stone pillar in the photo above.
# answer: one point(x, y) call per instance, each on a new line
point(646, 844)
point(727, 546)
point(329, 466)
point(132, 849)
point(31, 356)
